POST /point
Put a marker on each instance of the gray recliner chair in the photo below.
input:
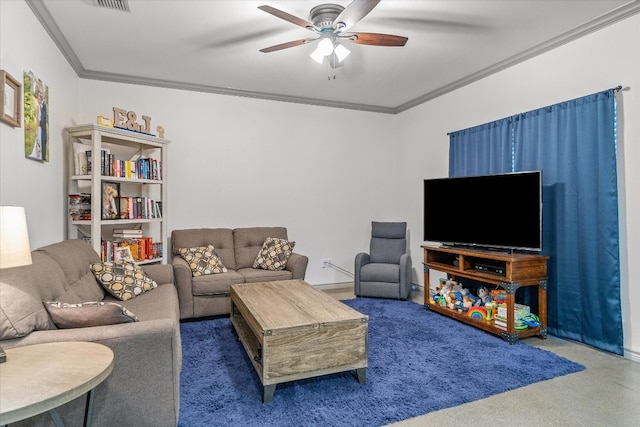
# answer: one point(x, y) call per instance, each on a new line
point(385, 271)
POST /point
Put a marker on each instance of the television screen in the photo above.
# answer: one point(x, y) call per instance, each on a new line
point(493, 211)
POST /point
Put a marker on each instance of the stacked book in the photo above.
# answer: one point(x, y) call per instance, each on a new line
point(127, 233)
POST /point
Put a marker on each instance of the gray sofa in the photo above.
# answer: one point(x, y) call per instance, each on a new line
point(144, 386)
point(208, 295)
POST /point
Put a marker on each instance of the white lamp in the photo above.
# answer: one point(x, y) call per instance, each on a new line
point(14, 237)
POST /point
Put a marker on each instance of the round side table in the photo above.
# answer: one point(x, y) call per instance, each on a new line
point(39, 378)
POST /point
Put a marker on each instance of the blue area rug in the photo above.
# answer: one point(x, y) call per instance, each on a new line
point(419, 362)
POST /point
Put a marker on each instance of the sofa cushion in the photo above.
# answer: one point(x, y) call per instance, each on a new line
point(220, 238)
point(255, 275)
point(73, 257)
point(22, 290)
point(215, 284)
point(97, 313)
point(123, 280)
point(274, 254)
point(202, 260)
point(248, 241)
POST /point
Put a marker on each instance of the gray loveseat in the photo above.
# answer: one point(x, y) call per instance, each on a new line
point(144, 386)
point(208, 295)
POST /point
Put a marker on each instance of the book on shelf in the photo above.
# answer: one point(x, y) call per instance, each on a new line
point(498, 323)
point(127, 233)
point(141, 248)
point(80, 206)
point(142, 168)
point(139, 208)
point(136, 231)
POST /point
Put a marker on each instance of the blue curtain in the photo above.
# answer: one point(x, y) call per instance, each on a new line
point(481, 150)
point(574, 144)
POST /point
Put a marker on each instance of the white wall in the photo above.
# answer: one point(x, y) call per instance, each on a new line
point(323, 173)
point(600, 61)
point(25, 45)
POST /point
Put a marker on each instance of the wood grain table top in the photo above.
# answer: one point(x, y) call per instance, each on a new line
point(41, 377)
point(288, 304)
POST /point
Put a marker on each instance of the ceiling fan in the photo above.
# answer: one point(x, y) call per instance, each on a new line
point(330, 23)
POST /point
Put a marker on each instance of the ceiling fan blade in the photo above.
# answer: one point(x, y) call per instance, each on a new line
point(287, 17)
point(375, 39)
point(287, 45)
point(354, 12)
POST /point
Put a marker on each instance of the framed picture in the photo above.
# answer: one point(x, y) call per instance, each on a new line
point(122, 254)
point(11, 97)
point(110, 193)
point(36, 117)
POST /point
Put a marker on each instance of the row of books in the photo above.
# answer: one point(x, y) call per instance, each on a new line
point(139, 208)
point(129, 208)
point(80, 206)
point(144, 168)
point(140, 249)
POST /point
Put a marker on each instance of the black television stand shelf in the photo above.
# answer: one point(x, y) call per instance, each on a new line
point(507, 270)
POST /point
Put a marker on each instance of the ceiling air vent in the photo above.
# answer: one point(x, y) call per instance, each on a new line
point(122, 5)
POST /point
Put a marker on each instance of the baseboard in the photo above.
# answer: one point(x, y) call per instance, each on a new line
point(332, 286)
point(632, 355)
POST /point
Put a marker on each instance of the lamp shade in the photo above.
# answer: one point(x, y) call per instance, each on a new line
point(14, 237)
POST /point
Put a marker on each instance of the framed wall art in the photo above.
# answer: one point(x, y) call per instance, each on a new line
point(36, 118)
point(110, 193)
point(11, 100)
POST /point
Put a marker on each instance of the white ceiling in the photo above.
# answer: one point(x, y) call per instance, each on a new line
point(213, 46)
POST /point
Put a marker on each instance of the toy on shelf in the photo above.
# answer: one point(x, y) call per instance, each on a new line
point(479, 313)
point(483, 296)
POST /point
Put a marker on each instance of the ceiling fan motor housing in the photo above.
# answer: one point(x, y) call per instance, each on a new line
point(323, 15)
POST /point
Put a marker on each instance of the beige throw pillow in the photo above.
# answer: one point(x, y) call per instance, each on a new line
point(203, 260)
point(274, 254)
point(123, 280)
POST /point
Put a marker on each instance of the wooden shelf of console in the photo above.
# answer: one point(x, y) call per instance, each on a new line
point(517, 270)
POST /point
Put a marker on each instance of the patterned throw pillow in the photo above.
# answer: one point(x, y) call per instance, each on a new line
point(123, 280)
point(274, 254)
point(203, 260)
point(88, 314)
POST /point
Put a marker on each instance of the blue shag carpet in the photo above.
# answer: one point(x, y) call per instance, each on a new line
point(419, 362)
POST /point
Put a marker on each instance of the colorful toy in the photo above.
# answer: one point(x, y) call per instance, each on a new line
point(479, 313)
point(483, 296)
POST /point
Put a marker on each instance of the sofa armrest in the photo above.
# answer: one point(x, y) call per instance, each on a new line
point(161, 273)
point(297, 265)
point(405, 275)
point(183, 276)
point(361, 260)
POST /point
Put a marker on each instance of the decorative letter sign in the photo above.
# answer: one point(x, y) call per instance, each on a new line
point(128, 120)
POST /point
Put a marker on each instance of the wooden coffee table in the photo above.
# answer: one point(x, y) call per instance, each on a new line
point(291, 331)
point(39, 378)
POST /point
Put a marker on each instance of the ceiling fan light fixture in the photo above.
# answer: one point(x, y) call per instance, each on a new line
point(318, 57)
point(341, 52)
point(324, 48)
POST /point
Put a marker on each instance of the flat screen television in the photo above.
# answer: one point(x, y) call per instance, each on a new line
point(501, 211)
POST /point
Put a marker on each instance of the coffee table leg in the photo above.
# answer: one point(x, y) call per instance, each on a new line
point(267, 393)
point(361, 373)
